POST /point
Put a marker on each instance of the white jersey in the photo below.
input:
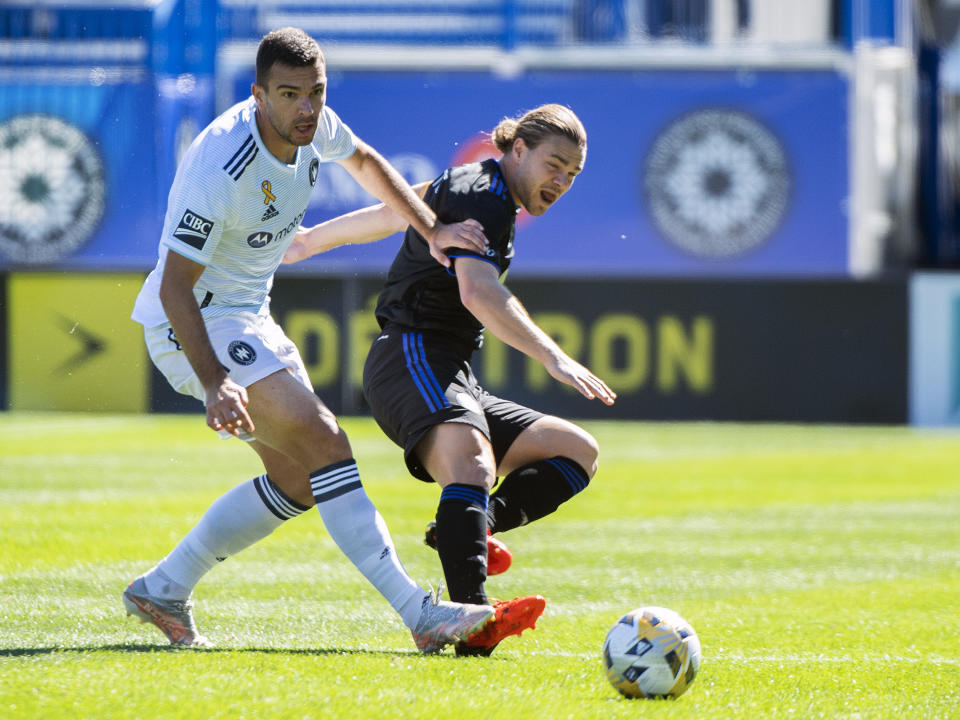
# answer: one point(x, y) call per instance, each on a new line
point(234, 208)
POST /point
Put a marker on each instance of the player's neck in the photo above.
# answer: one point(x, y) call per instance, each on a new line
point(508, 168)
point(278, 147)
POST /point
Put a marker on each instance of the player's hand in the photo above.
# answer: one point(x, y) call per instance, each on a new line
point(227, 408)
point(467, 235)
point(300, 247)
point(569, 371)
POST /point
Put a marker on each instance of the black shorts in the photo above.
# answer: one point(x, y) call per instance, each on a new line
point(414, 380)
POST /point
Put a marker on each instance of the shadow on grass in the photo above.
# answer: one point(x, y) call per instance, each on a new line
point(132, 648)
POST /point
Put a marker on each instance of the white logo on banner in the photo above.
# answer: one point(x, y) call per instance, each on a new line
point(51, 188)
point(717, 182)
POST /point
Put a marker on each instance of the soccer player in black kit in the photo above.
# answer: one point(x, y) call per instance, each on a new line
point(418, 380)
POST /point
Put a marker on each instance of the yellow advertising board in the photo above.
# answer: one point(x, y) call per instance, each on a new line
point(72, 344)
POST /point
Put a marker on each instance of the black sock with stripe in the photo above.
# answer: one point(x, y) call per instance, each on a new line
point(462, 541)
point(534, 491)
point(276, 500)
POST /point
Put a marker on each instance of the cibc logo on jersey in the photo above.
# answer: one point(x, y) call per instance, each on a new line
point(193, 229)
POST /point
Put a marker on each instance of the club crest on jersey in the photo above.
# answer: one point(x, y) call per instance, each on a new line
point(193, 229)
point(259, 239)
point(241, 353)
point(314, 169)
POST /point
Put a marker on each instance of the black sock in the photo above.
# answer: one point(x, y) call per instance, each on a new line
point(462, 541)
point(533, 491)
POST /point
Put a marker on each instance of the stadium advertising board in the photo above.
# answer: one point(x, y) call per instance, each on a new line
point(935, 349)
point(748, 350)
point(689, 172)
point(789, 350)
point(72, 345)
point(716, 172)
point(77, 168)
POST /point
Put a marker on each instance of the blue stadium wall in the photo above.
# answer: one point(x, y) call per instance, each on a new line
point(689, 173)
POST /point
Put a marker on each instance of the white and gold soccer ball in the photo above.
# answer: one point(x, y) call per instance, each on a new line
point(651, 652)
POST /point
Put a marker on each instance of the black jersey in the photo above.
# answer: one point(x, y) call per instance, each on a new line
point(421, 293)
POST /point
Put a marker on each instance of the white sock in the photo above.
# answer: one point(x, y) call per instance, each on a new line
point(360, 532)
point(236, 520)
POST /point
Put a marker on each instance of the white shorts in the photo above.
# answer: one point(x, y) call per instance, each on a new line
point(250, 347)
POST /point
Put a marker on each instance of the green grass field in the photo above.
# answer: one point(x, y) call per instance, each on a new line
point(819, 565)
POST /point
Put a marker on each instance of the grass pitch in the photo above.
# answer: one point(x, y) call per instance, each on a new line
point(819, 565)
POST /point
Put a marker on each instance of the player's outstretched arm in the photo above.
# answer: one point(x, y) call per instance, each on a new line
point(380, 179)
point(365, 225)
point(504, 315)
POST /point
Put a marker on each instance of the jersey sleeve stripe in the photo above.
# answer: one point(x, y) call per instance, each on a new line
point(247, 164)
point(236, 170)
point(237, 153)
point(452, 270)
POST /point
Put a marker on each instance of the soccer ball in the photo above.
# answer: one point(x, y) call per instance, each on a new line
point(651, 652)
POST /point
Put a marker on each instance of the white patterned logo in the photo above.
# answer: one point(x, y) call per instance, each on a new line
point(717, 183)
point(52, 189)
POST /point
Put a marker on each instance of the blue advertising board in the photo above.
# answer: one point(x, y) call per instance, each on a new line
point(77, 162)
point(715, 172)
point(688, 173)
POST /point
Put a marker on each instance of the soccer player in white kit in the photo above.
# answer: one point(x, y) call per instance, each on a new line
point(238, 198)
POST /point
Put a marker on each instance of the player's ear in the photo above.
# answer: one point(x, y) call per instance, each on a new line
point(257, 92)
point(519, 147)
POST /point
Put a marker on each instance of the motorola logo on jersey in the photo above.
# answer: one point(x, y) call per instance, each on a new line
point(293, 226)
point(259, 239)
point(193, 229)
point(52, 188)
point(718, 183)
point(241, 353)
point(314, 169)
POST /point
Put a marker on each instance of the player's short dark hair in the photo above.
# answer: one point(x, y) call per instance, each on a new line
point(536, 125)
point(287, 46)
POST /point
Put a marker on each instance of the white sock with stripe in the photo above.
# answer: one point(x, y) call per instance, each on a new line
point(360, 532)
point(236, 520)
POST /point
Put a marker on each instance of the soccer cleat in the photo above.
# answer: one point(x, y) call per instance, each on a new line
point(442, 622)
point(499, 556)
point(173, 617)
point(511, 617)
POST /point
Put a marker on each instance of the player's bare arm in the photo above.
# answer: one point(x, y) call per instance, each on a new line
point(225, 400)
point(503, 314)
point(380, 179)
point(365, 225)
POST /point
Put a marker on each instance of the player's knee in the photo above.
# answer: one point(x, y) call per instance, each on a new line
point(319, 438)
point(468, 472)
point(587, 453)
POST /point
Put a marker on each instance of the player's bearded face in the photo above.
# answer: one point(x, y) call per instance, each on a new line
point(293, 100)
point(546, 172)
